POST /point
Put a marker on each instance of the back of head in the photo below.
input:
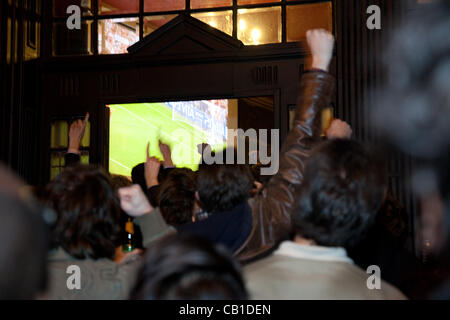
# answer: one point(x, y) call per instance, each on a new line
point(24, 245)
point(343, 188)
point(118, 181)
point(88, 212)
point(177, 196)
point(221, 187)
point(187, 267)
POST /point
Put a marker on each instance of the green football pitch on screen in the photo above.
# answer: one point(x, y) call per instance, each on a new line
point(132, 126)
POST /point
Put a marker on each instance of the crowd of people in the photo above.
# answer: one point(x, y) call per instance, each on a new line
point(310, 231)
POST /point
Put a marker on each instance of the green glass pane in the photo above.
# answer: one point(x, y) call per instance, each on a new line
point(54, 172)
point(55, 159)
point(59, 134)
point(85, 157)
point(85, 142)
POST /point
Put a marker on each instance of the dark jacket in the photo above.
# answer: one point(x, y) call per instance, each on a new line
point(230, 229)
point(272, 208)
point(253, 229)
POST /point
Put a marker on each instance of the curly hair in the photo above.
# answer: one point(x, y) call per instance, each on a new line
point(177, 196)
point(88, 212)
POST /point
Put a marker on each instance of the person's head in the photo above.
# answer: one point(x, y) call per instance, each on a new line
point(88, 212)
point(343, 189)
point(186, 267)
point(138, 175)
point(177, 196)
point(221, 187)
point(24, 244)
point(118, 181)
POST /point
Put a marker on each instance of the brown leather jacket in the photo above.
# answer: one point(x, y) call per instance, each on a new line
point(272, 208)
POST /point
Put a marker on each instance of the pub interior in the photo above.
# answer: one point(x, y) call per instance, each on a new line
point(114, 115)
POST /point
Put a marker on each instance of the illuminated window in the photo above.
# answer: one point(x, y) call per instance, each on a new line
point(117, 22)
point(59, 141)
point(60, 7)
point(301, 18)
point(241, 2)
point(259, 26)
point(116, 35)
point(222, 20)
point(118, 6)
point(152, 23)
point(163, 5)
point(198, 4)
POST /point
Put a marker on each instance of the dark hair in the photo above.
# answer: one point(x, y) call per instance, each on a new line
point(221, 187)
point(119, 181)
point(343, 189)
point(177, 196)
point(138, 175)
point(186, 267)
point(88, 210)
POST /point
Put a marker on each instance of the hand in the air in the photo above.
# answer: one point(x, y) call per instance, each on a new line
point(152, 165)
point(321, 43)
point(339, 130)
point(133, 201)
point(76, 133)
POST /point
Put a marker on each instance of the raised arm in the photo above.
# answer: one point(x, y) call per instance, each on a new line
point(271, 209)
point(76, 133)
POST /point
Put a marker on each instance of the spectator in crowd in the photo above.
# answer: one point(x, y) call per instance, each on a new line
point(189, 268)
point(250, 228)
point(87, 232)
point(149, 179)
point(24, 242)
point(413, 114)
point(177, 197)
point(119, 181)
point(343, 188)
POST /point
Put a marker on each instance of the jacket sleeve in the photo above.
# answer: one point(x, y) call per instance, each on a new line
point(153, 227)
point(72, 159)
point(272, 208)
point(152, 195)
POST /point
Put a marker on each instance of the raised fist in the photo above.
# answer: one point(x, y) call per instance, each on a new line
point(321, 44)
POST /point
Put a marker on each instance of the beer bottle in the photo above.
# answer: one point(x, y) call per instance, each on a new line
point(129, 232)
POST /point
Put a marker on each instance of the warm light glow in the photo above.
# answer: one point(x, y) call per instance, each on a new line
point(242, 25)
point(256, 34)
point(213, 24)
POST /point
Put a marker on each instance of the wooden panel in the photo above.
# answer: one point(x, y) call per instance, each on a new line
point(360, 73)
